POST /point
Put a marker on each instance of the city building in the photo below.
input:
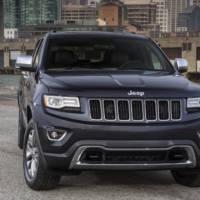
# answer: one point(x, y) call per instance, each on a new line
point(142, 13)
point(75, 2)
point(79, 15)
point(11, 9)
point(189, 19)
point(59, 10)
point(175, 7)
point(38, 12)
point(93, 3)
point(22, 13)
point(195, 2)
point(111, 13)
point(10, 33)
point(1, 20)
point(161, 15)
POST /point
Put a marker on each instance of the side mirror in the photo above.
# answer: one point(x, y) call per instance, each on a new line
point(181, 64)
point(24, 63)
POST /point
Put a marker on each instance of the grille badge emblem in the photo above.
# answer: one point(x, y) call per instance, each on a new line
point(135, 93)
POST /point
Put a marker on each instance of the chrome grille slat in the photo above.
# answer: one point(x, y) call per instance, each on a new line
point(176, 110)
point(163, 110)
point(109, 109)
point(151, 110)
point(95, 109)
point(123, 110)
point(135, 110)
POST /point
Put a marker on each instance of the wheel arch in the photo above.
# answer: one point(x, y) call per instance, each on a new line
point(26, 120)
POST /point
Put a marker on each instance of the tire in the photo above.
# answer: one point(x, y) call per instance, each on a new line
point(21, 130)
point(190, 177)
point(35, 173)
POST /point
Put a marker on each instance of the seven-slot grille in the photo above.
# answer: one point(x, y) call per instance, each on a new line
point(135, 110)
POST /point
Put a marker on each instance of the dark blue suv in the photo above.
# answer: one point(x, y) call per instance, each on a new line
point(106, 101)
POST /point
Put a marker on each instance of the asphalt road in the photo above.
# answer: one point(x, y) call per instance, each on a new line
point(88, 185)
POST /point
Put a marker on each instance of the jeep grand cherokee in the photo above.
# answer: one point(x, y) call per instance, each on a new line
point(106, 101)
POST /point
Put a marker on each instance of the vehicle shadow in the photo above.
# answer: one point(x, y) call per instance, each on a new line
point(119, 178)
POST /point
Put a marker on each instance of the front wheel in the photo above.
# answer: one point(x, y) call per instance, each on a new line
point(36, 176)
point(189, 177)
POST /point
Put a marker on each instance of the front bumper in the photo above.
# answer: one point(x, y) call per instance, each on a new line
point(64, 155)
point(150, 160)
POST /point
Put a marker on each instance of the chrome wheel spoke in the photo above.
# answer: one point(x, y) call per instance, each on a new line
point(33, 168)
point(28, 156)
point(29, 164)
point(32, 155)
point(30, 139)
point(28, 153)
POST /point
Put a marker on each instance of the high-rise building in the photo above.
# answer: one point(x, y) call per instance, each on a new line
point(75, 2)
point(162, 15)
point(175, 7)
point(59, 9)
point(195, 2)
point(79, 15)
point(11, 10)
point(189, 19)
point(1, 19)
point(142, 13)
point(11, 13)
point(38, 12)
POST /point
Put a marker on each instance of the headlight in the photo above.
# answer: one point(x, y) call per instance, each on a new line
point(59, 102)
point(193, 102)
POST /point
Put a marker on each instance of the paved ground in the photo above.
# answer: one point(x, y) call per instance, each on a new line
point(8, 86)
point(87, 186)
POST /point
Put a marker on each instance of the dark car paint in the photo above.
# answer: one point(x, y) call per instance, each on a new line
point(104, 84)
point(174, 84)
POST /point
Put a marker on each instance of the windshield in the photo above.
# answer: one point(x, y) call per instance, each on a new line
point(105, 54)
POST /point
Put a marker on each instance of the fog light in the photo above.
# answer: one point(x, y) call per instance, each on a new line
point(56, 135)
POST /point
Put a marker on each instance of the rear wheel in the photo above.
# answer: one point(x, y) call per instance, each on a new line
point(190, 177)
point(36, 176)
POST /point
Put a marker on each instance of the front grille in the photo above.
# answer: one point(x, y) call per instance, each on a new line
point(135, 110)
point(102, 156)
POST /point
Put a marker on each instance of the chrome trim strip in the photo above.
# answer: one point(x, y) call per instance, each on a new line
point(77, 164)
point(117, 110)
point(181, 110)
point(56, 140)
point(90, 109)
point(156, 108)
point(168, 102)
point(104, 114)
point(143, 110)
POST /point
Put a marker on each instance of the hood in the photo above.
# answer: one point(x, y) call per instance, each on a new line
point(166, 85)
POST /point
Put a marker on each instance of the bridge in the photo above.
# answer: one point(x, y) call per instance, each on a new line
point(175, 47)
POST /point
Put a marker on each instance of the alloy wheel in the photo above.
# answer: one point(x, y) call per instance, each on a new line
point(32, 155)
